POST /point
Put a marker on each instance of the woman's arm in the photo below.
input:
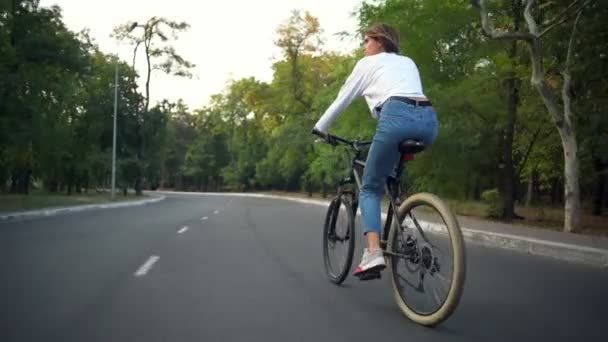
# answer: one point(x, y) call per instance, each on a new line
point(354, 86)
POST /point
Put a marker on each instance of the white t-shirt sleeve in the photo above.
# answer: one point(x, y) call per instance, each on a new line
point(354, 86)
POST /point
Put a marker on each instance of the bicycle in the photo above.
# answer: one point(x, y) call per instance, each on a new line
point(406, 245)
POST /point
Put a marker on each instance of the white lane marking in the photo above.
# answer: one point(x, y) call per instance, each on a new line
point(183, 230)
point(204, 218)
point(147, 266)
point(216, 212)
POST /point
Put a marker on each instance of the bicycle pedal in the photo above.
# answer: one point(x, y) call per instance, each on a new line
point(370, 275)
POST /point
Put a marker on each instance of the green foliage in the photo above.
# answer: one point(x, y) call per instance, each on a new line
point(492, 199)
point(56, 115)
point(56, 105)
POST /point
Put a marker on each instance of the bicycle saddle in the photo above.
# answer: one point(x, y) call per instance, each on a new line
point(410, 146)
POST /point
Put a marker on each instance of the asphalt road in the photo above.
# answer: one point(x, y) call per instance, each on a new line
point(251, 269)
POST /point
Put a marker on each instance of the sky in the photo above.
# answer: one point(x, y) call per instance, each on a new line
point(227, 40)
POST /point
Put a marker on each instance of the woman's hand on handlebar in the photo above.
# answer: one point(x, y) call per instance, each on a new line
point(330, 139)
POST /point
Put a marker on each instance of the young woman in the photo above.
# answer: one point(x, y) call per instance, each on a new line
point(390, 83)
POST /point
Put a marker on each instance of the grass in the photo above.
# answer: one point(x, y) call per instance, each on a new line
point(39, 200)
point(537, 216)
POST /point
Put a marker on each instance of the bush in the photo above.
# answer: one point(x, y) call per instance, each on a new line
point(492, 199)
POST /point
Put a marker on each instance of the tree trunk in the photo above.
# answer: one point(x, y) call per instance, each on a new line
point(537, 190)
point(3, 182)
point(20, 181)
point(512, 91)
point(598, 198)
point(530, 191)
point(508, 170)
point(477, 190)
point(467, 187)
point(605, 198)
point(15, 4)
point(555, 185)
point(25, 182)
point(142, 145)
point(163, 171)
point(138, 185)
point(147, 104)
point(571, 184)
point(14, 182)
point(139, 179)
point(52, 186)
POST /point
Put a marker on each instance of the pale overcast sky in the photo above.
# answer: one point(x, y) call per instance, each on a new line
point(228, 39)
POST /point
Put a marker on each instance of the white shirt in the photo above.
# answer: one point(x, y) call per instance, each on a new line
point(377, 78)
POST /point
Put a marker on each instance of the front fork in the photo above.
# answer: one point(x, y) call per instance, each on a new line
point(343, 191)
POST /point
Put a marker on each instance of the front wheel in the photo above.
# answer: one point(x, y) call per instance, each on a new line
point(338, 239)
point(426, 258)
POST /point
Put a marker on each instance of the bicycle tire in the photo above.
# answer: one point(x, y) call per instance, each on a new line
point(459, 261)
point(339, 275)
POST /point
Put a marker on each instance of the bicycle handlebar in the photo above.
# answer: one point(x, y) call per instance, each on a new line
point(334, 140)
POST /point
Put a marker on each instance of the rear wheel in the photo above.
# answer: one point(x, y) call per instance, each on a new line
point(338, 239)
point(426, 259)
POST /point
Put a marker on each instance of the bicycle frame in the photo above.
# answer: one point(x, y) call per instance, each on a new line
point(420, 259)
point(355, 181)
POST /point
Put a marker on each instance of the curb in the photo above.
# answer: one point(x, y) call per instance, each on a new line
point(556, 250)
point(562, 251)
point(78, 208)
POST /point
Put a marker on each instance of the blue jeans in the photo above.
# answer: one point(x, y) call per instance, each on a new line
point(397, 121)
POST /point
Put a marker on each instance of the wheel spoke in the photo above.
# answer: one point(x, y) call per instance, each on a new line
point(342, 258)
point(435, 295)
point(419, 229)
point(407, 282)
point(445, 283)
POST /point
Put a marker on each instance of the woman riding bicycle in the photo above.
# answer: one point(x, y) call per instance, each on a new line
point(390, 83)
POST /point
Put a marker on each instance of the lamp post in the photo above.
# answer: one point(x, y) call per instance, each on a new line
point(131, 28)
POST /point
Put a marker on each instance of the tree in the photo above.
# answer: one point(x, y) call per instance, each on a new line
point(588, 90)
point(43, 67)
point(208, 154)
point(160, 55)
point(562, 114)
point(181, 133)
point(299, 35)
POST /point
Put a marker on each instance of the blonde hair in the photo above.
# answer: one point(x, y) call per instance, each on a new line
point(386, 35)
